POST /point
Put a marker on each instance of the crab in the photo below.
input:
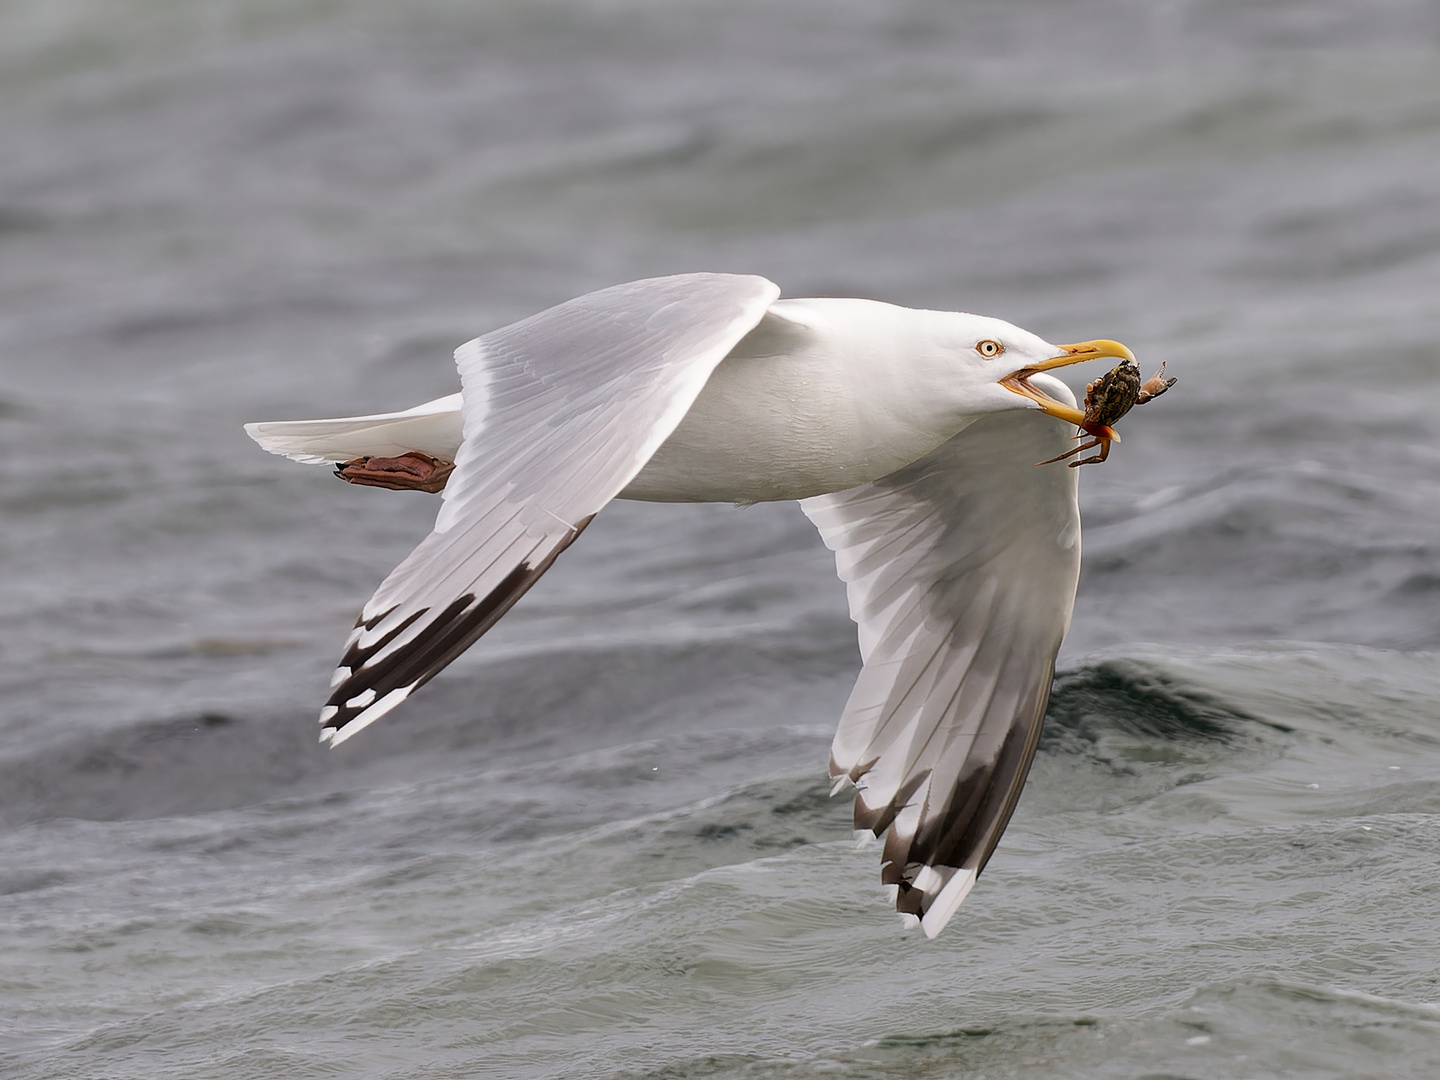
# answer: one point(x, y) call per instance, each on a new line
point(1107, 399)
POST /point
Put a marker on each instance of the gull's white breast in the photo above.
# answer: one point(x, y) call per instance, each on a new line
point(821, 396)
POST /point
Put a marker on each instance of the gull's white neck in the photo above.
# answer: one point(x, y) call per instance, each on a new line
point(821, 396)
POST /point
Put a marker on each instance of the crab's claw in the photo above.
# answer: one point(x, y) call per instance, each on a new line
point(1156, 385)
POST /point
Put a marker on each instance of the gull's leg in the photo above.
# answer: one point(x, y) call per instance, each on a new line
point(408, 472)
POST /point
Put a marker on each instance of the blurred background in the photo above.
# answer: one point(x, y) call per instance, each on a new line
point(600, 844)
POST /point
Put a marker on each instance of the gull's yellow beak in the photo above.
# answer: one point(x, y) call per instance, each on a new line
point(1069, 354)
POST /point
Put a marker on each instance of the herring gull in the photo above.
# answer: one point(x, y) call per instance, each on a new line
point(909, 437)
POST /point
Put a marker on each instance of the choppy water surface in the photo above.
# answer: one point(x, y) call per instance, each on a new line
point(601, 844)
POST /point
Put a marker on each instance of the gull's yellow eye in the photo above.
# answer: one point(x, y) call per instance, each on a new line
point(988, 348)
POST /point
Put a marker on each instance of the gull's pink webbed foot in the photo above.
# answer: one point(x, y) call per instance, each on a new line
point(408, 472)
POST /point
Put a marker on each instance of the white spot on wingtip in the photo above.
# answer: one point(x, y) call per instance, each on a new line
point(362, 699)
point(341, 674)
point(944, 906)
point(328, 713)
point(927, 880)
point(369, 716)
point(339, 735)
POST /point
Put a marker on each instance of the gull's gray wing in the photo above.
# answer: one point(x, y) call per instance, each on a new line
point(961, 571)
point(561, 410)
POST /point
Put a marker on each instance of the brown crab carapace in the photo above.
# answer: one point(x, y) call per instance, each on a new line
point(1107, 399)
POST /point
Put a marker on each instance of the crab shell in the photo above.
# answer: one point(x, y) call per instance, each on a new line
point(1112, 395)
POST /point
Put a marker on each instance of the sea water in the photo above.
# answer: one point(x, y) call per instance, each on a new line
point(601, 844)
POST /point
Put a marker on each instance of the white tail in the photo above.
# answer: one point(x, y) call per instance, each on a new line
point(434, 428)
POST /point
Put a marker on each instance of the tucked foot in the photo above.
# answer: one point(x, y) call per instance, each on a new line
point(408, 472)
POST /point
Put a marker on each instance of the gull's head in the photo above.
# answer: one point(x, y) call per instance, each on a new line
point(1005, 367)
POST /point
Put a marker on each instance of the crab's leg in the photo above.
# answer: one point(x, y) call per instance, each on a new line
point(1101, 456)
point(1077, 450)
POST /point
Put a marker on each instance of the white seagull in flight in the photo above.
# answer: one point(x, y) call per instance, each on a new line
point(910, 438)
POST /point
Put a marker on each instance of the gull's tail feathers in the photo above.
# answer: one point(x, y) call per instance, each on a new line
point(434, 428)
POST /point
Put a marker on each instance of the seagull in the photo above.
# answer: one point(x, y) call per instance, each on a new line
point(909, 438)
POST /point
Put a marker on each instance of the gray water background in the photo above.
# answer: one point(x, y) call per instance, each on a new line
point(600, 845)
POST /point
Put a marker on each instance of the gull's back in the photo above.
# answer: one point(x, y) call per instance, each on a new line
point(822, 395)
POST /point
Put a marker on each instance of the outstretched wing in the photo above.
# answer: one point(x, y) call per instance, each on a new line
point(561, 410)
point(961, 571)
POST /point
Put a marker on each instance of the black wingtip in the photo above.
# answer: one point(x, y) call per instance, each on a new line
point(375, 676)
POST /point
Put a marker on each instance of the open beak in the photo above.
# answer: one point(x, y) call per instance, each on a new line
point(1069, 354)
